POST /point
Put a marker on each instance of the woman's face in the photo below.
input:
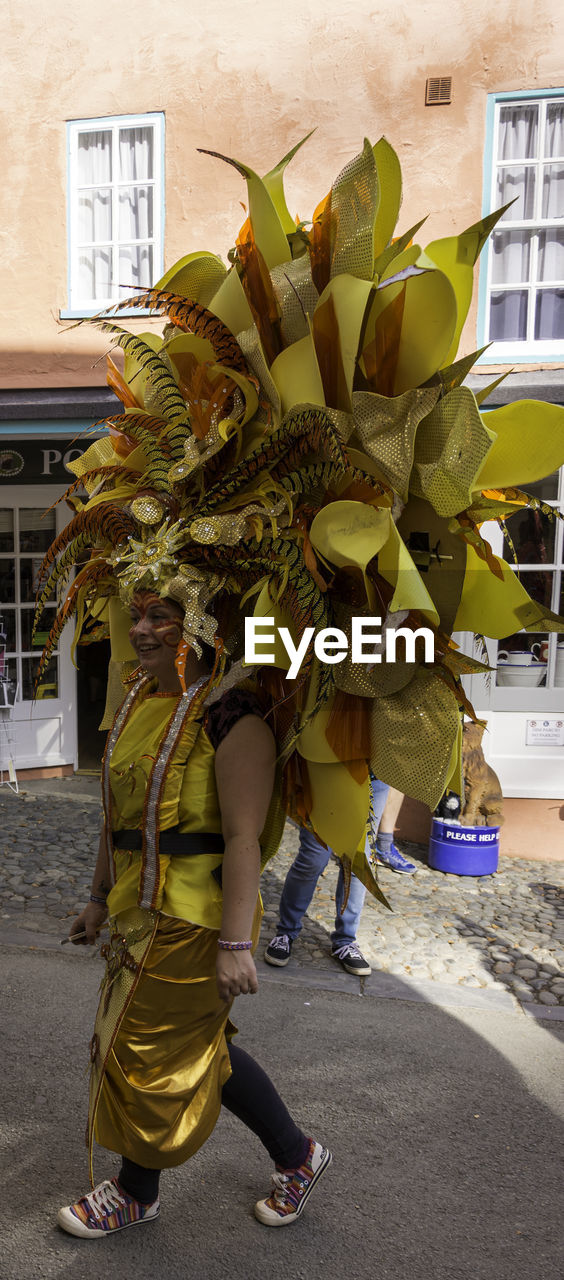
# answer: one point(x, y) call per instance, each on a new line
point(155, 632)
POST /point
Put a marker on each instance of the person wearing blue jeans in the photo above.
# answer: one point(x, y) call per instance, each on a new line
point(299, 887)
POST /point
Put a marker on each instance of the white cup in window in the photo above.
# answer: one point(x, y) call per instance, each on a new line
point(518, 657)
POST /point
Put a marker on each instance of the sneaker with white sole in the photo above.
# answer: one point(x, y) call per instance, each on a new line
point(278, 951)
point(395, 860)
point(352, 959)
point(291, 1188)
point(107, 1208)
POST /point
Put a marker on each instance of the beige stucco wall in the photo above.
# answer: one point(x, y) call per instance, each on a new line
point(247, 79)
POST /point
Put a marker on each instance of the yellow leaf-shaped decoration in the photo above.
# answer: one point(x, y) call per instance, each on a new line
point(450, 447)
point(389, 193)
point(268, 230)
point(354, 204)
point(295, 373)
point(397, 567)
point(498, 606)
point(350, 533)
point(456, 256)
point(337, 324)
point(340, 806)
point(230, 304)
point(408, 332)
point(274, 183)
point(528, 444)
point(197, 276)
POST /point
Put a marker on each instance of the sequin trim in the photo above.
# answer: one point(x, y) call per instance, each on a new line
point(150, 870)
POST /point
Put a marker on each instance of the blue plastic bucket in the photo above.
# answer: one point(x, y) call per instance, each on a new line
point(463, 851)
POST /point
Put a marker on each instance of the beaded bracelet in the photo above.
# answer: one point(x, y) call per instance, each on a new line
point(100, 902)
point(234, 946)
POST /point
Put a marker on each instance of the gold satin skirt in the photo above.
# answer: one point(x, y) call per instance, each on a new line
point(161, 1092)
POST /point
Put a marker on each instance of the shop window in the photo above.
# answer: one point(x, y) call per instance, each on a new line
point(25, 535)
point(522, 278)
point(115, 208)
point(534, 546)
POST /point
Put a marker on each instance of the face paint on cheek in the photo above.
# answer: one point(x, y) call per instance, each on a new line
point(169, 633)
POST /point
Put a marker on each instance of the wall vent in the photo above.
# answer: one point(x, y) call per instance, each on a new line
point(438, 90)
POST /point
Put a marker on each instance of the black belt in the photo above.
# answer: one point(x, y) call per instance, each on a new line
point(172, 842)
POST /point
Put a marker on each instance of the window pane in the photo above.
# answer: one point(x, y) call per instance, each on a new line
point(95, 273)
point(136, 153)
point(8, 626)
point(48, 687)
point(551, 255)
point(525, 664)
point(549, 318)
point(553, 191)
point(94, 157)
point(554, 139)
point(539, 585)
point(95, 216)
point(45, 623)
point(6, 530)
point(136, 213)
point(7, 582)
point(545, 490)
point(508, 316)
point(517, 185)
point(37, 529)
point(533, 537)
point(135, 266)
point(511, 256)
point(8, 687)
point(29, 574)
point(518, 132)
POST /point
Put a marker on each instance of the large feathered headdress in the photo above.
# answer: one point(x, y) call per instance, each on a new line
point(300, 444)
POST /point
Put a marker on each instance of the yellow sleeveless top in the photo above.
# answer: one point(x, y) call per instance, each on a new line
point(189, 890)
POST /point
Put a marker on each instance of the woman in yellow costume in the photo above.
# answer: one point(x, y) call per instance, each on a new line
point(161, 1063)
point(299, 445)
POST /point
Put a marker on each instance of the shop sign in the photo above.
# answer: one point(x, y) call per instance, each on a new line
point(544, 733)
point(38, 461)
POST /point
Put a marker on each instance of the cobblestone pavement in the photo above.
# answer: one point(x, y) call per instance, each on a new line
point(503, 931)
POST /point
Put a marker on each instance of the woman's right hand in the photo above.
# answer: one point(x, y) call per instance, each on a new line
point(88, 923)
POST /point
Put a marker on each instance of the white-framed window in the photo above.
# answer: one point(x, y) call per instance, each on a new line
point(528, 667)
point(521, 303)
point(115, 208)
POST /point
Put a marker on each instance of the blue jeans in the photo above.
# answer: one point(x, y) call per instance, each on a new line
point(300, 882)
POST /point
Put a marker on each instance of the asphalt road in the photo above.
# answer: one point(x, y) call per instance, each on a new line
point(446, 1129)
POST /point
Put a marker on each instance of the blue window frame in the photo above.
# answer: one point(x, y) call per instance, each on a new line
point(521, 298)
point(115, 209)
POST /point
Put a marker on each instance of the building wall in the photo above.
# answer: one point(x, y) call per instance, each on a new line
point(248, 80)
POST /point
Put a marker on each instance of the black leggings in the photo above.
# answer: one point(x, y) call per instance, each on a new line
point(250, 1095)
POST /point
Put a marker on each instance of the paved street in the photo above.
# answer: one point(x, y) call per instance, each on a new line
point(498, 934)
point(438, 1090)
point(446, 1130)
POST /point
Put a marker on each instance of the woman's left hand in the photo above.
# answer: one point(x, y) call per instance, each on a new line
point(236, 974)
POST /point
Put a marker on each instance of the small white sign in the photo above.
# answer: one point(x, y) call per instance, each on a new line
point(545, 733)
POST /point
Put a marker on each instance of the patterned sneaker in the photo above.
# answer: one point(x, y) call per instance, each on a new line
point(106, 1208)
point(395, 860)
point(291, 1188)
point(352, 959)
point(278, 951)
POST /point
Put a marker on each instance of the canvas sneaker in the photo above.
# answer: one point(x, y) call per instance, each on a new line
point(395, 860)
point(278, 951)
point(107, 1208)
point(352, 959)
point(291, 1188)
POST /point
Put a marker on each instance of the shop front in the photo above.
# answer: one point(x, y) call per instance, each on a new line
point(54, 718)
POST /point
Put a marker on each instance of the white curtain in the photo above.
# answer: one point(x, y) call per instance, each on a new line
point(108, 163)
point(518, 141)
